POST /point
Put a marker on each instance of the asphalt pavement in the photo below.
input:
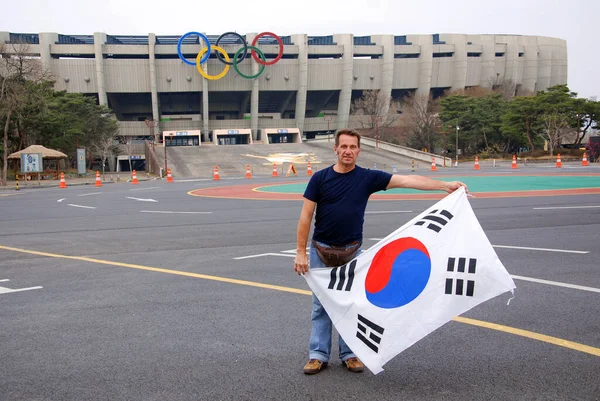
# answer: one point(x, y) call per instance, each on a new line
point(148, 293)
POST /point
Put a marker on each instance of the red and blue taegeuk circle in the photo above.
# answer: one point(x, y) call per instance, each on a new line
point(398, 273)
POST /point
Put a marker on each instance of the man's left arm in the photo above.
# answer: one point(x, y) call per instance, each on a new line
point(424, 184)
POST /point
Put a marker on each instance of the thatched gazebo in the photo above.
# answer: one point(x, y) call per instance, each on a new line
point(47, 154)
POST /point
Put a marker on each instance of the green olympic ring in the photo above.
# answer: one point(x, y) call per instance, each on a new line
point(235, 62)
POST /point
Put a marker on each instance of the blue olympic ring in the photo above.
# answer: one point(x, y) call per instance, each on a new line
point(206, 41)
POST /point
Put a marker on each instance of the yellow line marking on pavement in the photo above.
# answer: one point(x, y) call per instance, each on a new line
point(530, 334)
point(480, 323)
point(8, 194)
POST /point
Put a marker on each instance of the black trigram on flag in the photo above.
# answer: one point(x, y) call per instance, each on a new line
point(436, 220)
point(342, 277)
point(369, 333)
point(459, 284)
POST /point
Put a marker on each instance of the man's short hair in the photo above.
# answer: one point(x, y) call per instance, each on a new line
point(346, 131)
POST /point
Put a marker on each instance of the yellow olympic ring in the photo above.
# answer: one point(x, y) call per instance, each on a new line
point(201, 71)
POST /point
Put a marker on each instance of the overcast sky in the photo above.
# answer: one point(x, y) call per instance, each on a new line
point(575, 21)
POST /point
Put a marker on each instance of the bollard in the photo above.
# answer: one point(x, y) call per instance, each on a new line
point(413, 165)
point(17, 178)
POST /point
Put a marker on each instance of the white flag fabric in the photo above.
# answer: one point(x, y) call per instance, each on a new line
point(432, 269)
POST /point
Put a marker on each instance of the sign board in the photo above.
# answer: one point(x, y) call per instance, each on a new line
point(233, 131)
point(136, 157)
point(282, 131)
point(80, 161)
point(31, 163)
point(181, 133)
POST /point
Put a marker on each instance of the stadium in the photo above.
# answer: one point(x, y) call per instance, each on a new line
point(171, 89)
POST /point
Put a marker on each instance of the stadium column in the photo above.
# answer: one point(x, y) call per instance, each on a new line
point(545, 56)
point(530, 65)
point(205, 120)
point(99, 40)
point(46, 40)
point(387, 76)
point(511, 57)
point(425, 43)
point(488, 61)
point(343, 112)
point(153, 91)
point(459, 73)
point(255, 93)
point(302, 42)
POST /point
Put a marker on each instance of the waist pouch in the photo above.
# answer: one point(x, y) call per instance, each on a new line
point(336, 255)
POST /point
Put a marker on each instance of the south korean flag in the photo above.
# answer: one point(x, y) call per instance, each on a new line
point(434, 268)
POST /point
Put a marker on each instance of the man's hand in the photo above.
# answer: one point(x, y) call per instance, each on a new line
point(454, 185)
point(301, 262)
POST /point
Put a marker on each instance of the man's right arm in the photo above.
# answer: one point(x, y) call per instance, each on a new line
point(301, 261)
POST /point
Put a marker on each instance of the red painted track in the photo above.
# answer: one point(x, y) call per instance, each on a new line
point(247, 192)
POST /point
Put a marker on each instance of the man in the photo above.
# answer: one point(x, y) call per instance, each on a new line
point(340, 194)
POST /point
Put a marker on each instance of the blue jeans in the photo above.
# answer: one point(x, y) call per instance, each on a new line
point(320, 335)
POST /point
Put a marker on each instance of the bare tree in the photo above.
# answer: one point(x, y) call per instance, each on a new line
point(374, 112)
point(555, 127)
point(127, 145)
point(421, 121)
point(17, 68)
point(104, 147)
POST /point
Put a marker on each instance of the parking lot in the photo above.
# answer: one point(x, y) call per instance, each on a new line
point(147, 293)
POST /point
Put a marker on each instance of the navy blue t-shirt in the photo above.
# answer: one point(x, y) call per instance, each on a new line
point(341, 202)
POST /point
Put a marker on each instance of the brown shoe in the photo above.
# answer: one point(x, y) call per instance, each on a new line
point(354, 365)
point(314, 366)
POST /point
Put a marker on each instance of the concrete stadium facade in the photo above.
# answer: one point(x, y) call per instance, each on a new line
point(311, 88)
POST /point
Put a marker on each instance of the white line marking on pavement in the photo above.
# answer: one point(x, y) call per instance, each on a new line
point(294, 251)
point(169, 212)
point(556, 283)
point(3, 280)
point(389, 211)
point(141, 199)
point(60, 200)
point(264, 254)
point(143, 189)
point(4, 290)
point(564, 207)
point(540, 249)
point(91, 193)
point(522, 247)
point(83, 207)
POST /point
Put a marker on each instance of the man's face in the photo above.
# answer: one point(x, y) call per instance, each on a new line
point(347, 150)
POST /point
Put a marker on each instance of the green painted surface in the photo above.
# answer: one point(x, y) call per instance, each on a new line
point(481, 184)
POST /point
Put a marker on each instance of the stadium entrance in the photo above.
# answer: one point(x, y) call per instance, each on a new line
point(181, 138)
point(281, 135)
point(232, 136)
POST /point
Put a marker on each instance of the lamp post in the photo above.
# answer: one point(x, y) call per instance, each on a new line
point(457, 128)
point(445, 150)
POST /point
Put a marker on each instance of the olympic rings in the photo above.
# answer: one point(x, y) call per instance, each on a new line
point(213, 77)
point(279, 55)
point(239, 37)
point(223, 57)
point(262, 67)
point(204, 38)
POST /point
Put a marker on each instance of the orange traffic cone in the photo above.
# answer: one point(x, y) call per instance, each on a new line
point(433, 167)
point(248, 172)
point(309, 169)
point(169, 175)
point(134, 179)
point(476, 163)
point(98, 180)
point(514, 162)
point(216, 173)
point(275, 173)
point(584, 162)
point(63, 183)
point(558, 161)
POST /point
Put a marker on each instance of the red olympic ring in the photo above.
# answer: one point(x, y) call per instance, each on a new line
point(277, 38)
